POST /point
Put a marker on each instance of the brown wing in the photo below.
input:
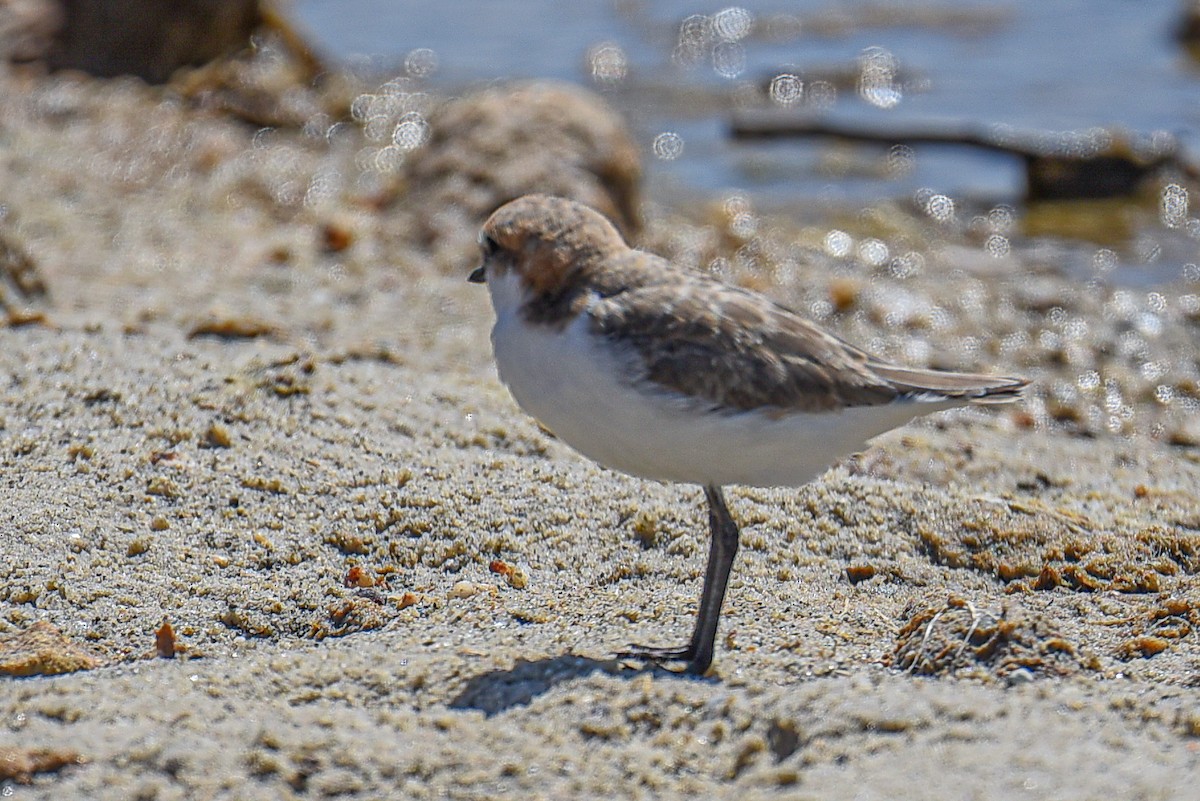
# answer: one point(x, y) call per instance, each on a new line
point(736, 351)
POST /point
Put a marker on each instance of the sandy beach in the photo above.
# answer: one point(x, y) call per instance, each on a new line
point(253, 407)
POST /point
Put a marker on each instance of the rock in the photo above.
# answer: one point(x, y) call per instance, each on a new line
point(146, 38)
point(202, 47)
point(498, 144)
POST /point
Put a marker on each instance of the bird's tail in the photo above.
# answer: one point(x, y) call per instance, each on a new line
point(938, 385)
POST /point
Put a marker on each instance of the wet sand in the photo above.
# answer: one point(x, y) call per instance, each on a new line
point(223, 421)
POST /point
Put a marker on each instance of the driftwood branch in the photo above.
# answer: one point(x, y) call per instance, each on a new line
point(1095, 164)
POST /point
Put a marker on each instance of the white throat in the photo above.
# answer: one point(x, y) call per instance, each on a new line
point(508, 295)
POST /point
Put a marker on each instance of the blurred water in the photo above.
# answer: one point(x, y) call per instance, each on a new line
point(1066, 65)
point(1063, 65)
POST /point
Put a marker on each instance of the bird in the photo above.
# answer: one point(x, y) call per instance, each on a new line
point(667, 373)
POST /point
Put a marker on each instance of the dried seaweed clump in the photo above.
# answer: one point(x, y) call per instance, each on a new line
point(1168, 622)
point(1039, 548)
point(958, 637)
point(20, 764)
point(43, 650)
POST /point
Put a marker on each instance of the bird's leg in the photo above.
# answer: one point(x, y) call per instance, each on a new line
point(722, 550)
point(723, 546)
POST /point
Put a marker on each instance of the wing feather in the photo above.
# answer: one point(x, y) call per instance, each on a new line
point(730, 350)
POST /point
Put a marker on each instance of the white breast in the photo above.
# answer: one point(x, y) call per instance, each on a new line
point(576, 385)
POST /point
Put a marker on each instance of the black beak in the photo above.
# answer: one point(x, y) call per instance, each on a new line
point(478, 275)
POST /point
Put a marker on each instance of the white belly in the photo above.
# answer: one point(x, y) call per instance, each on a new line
point(578, 389)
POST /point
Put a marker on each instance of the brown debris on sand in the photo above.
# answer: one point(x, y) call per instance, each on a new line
point(959, 636)
point(1034, 546)
point(43, 650)
point(20, 764)
point(22, 288)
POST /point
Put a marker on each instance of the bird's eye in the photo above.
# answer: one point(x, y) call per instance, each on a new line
point(488, 244)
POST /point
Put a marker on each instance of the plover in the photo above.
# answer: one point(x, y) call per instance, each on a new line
point(665, 373)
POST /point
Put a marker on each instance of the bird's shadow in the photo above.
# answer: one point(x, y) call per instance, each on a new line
point(499, 690)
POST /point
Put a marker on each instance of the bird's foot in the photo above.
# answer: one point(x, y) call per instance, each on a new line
point(658, 655)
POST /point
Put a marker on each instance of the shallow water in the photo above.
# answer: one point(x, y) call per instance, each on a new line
point(1028, 66)
point(1039, 66)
